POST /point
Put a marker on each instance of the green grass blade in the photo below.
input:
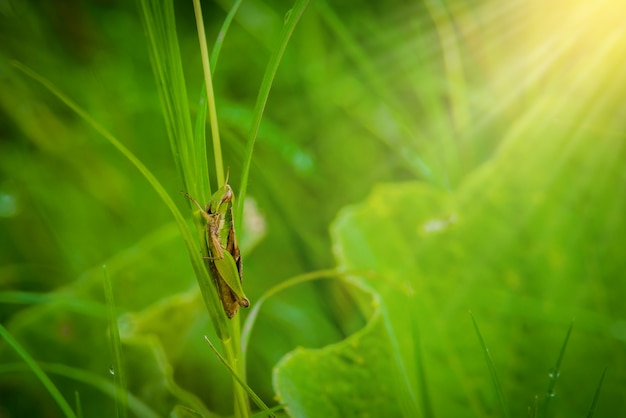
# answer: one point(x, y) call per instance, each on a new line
point(118, 370)
point(41, 375)
point(555, 373)
point(426, 403)
point(243, 384)
point(266, 84)
point(199, 130)
point(136, 406)
point(269, 412)
point(217, 47)
point(79, 406)
point(208, 83)
point(492, 368)
point(596, 395)
point(535, 407)
point(199, 135)
point(159, 23)
point(181, 411)
point(70, 302)
point(199, 139)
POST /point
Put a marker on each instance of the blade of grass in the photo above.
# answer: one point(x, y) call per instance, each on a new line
point(208, 82)
point(269, 412)
point(555, 373)
point(137, 407)
point(199, 136)
point(207, 289)
point(492, 368)
point(180, 411)
point(159, 22)
point(427, 407)
point(231, 346)
point(293, 16)
point(199, 130)
point(69, 302)
point(535, 407)
point(119, 374)
point(596, 395)
point(41, 375)
point(235, 375)
point(222, 34)
point(79, 406)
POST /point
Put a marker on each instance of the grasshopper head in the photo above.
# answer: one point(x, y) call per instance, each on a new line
point(227, 195)
point(221, 200)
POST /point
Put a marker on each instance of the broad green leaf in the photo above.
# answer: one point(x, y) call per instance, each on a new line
point(529, 241)
point(350, 378)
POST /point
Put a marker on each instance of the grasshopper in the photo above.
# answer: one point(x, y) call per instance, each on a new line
point(224, 257)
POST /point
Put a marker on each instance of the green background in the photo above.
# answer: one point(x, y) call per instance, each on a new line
point(449, 156)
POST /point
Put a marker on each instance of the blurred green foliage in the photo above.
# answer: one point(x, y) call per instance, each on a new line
point(479, 147)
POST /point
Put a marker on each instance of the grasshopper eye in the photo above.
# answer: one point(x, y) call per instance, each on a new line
point(228, 194)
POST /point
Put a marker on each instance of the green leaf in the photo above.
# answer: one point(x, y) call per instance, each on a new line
point(337, 380)
point(524, 247)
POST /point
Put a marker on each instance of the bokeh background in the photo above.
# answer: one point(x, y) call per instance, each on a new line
point(464, 156)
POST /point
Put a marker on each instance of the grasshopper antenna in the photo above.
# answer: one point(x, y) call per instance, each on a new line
point(188, 196)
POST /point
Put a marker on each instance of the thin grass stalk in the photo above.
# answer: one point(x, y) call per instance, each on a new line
point(596, 395)
point(118, 370)
point(492, 368)
point(95, 381)
point(255, 398)
point(208, 82)
point(79, 405)
point(555, 373)
point(426, 403)
point(292, 19)
point(231, 346)
point(159, 22)
point(41, 375)
point(217, 47)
